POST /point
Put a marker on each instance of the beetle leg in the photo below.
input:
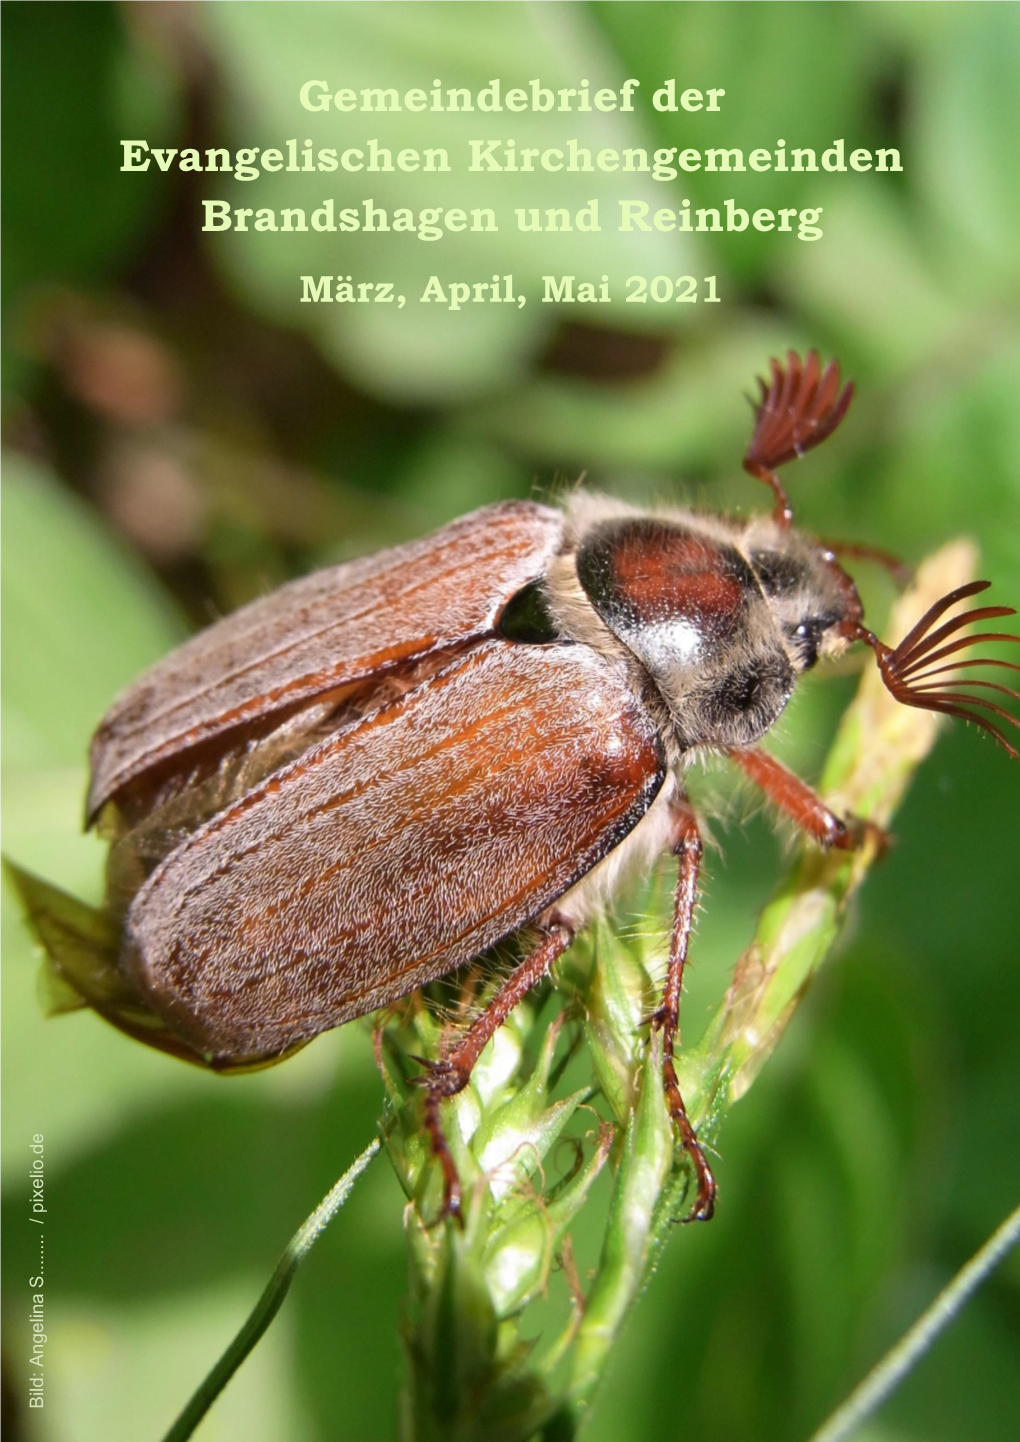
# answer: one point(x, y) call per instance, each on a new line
point(804, 806)
point(447, 1077)
point(687, 847)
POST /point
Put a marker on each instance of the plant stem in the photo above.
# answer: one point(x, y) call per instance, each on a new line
point(883, 1379)
point(269, 1303)
point(877, 748)
point(644, 1169)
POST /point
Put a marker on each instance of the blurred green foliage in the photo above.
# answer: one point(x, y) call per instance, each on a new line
point(183, 434)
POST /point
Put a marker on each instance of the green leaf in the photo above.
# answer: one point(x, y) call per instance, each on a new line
point(869, 281)
point(762, 57)
point(425, 352)
point(81, 618)
point(964, 128)
point(74, 84)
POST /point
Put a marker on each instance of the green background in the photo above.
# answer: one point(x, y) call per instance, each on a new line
point(181, 434)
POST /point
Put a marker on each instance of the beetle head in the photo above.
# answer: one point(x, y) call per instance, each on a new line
point(811, 597)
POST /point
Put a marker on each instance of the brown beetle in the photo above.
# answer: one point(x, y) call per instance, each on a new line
point(351, 787)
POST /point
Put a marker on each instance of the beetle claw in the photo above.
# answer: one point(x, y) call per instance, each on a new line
point(442, 1079)
point(451, 1204)
point(704, 1201)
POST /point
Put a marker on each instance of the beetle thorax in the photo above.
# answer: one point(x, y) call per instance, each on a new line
point(684, 601)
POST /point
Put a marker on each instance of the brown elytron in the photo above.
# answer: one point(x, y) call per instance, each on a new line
point(348, 624)
point(363, 781)
point(422, 834)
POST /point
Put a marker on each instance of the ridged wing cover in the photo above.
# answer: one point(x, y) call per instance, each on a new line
point(396, 850)
point(323, 631)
